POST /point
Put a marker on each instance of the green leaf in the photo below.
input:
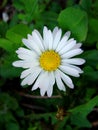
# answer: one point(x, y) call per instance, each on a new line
point(61, 124)
point(79, 113)
point(16, 33)
point(90, 74)
point(30, 10)
point(6, 68)
point(97, 45)
point(18, 4)
point(3, 28)
point(31, 6)
point(68, 127)
point(76, 21)
point(79, 120)
point(92, 32)
point(50, 18)
point(6, 44)
point(12, 126)
point(8, 101)
point(86, 5)
point(91, 57)
point(94, 12)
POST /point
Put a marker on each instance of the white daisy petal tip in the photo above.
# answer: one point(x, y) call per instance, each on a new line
point(83, 61)
point(23, 39)
point(71, 86)
point(68, 33)
point(53, 58)
point(15, 64)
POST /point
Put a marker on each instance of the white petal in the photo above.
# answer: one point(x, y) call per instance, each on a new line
point(50, 91)
point(32, 77)
point(50, 40)
point(74, 61)
point(26, 54)
point(25, 73)
point(29, 71)
point(37, 83)
point(27, 43)
point(25, 64)
point(18, 63)
point(25, 57)
point(57, 38)
point(75, 67)
point(69, 46)
point(38, 41)
point(59, 82)
point(70, 71)
point(55, 30)
point(67, 80)
point(32, 45)
point(39, 35)
point(42, 82)
point(78, 45)
point(51, 78)
point(72, 53)
point(63, 41)
point(25, 80)
point(22, 50)
point(45, 38)
point(51, 83)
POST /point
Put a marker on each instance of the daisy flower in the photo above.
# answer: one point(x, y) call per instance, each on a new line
point(48, 60)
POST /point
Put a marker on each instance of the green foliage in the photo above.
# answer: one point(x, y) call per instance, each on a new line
point(76, 21)
point(16, 33)
point(91, 57)
point(30, 9)
point(79, 114)
point(6, 45)
point(81, 19)
point(10, 44)
point(8, 106)
point(93, 31)
point(86, 5)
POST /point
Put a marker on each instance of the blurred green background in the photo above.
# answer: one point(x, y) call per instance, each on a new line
point(21, 109)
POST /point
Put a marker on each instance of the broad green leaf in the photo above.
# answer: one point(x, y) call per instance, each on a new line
point(91, 57)
point(90, 74)
point(16, 33)
point(6, 68)
point(79, 113)
point(89, 93)
point(92, 36)
point(79, 120)
point(3, 28)
point(76, 21)
point(6, 44)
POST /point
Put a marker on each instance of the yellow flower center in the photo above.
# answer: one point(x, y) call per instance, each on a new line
point(50, 60)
